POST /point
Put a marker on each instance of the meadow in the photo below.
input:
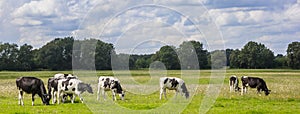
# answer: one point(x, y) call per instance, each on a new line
point(284, 97)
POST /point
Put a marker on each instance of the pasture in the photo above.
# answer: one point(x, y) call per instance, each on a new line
point(284, 97)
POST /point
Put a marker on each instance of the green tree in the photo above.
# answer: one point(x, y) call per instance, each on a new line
point(103, 55)
point(26, 57)
point(293, 55)
point(57, 54)
point(280, 61)
point(186, 52)
point(168, 56)
point(256, 55)
point(228, 53)
point(9, 56)
point(234, 59)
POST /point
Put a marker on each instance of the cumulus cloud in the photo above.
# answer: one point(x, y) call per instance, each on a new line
point(213, 22)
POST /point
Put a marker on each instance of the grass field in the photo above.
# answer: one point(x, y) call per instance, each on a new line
point(284, 97)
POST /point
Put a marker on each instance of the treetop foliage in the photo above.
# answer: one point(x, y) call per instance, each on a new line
point(67, 53)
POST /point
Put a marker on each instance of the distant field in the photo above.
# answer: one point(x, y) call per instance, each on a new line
point(284, 97)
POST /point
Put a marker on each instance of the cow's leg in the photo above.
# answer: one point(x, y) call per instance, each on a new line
point(73, 98)
point(21, 98)
point(81, 99)
point(243, 88)
point(98, 92)
point(58, 96)
point(230, 86)
point(165, 93)
point(103, 93)
point(114, 95)
point(176, 93)
point(32, 98)
point(161, 92)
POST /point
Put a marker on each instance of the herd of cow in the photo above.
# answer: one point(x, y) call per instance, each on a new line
point(62, 86)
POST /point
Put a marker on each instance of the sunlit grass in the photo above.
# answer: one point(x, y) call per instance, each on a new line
point(284, 97)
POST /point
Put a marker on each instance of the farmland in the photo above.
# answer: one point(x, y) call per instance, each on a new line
point(284, 97)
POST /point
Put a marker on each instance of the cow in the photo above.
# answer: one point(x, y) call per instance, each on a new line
point(32, 85)
point(173, 83)
point(53, 82)
point(110, 84)
point(72, 86)
point(254, 82)
point(234, 83)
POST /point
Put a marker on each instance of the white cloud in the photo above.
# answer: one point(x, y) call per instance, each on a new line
point(239, 21)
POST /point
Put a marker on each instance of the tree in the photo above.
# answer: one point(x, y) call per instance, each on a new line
point(228, 53)
point(103, 55)
point(256, 55)
point(218, 59)
point(293, 55)
point(57, 54)
point(186, 51)
point(168, 56)
point(8, 56)
point(234, 59)
point(280, 61)
point(25, 57)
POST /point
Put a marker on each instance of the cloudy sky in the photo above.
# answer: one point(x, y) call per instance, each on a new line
point(136, 26)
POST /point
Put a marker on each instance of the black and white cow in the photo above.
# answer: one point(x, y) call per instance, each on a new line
point(72, 86)
point(254, 82)
point(34, 86)
point(173, 83)
point(53, 82)
point(234, 83)
point(110, 84)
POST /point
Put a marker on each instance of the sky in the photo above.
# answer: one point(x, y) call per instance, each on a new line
point(142, 27)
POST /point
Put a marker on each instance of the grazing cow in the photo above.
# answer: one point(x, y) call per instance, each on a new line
point(234, 83)
point(72, 86)
point(53, 82)
point(254, 82)
point(110, 84)
point(173, 83)
point(34, 86)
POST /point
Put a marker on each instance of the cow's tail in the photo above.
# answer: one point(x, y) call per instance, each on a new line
point(185, 91)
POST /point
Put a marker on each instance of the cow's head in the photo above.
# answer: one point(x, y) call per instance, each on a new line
point(46, 98)
point(117, 86)
point(267, 92)
point(89, 89)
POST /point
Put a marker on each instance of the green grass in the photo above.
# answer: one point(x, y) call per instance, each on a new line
point(284, 98)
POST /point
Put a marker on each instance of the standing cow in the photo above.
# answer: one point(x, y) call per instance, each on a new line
point(72, 86)
point(110, 84)
point(172, 83)
point(254, 82)
point(234, 83)
point(34, 86)
point(53, 83)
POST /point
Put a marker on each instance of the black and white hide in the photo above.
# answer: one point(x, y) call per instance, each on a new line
point(64, 76)
point(173, 83)
point(254, 82)
point(72, 86)
point(53, 83)
point(34, 86)
point(110, 84)
point(234, 83)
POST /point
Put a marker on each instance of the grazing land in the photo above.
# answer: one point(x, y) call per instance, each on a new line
point(284, 97)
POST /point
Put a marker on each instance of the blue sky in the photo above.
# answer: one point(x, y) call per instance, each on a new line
point(135, 26)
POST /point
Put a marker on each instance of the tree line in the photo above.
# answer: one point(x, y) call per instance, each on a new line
point(58, 53)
